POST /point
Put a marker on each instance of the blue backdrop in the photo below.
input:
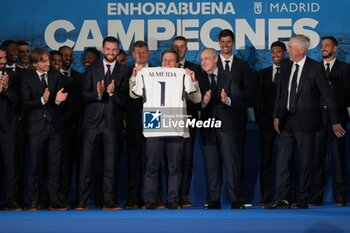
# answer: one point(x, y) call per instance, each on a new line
point(256, 24)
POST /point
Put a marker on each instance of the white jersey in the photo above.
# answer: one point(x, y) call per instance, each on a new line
point(164, 93)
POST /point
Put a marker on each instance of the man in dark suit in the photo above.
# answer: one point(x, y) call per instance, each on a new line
point(297, 119)
point(8, 128)
point(338, 77)
point(229, 62)
point(103, 91)
point(42, 95)
point(91, 55)
point(179, 44)
point(11, 53)
point(72, 115)
point(134, 137)
point(266, 96)
point(23, 54)
point(222, 100)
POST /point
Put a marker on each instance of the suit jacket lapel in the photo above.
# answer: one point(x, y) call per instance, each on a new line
point(219, 64)
point(100, 72)
point(334, 71)
point(50, 82)
point(37, 84)
point(220, 83)
point(303, 76)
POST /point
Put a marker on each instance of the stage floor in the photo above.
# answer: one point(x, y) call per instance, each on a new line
point(327, 218)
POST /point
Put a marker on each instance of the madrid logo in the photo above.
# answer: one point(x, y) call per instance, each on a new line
point(257, 8)
point(152, 119)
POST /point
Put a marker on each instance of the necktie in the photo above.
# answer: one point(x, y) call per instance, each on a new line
point(293, 90)
point(328, 72)
point(65, 73)
point(180, 65)
point(227, 66)
point(277, 76)
point(43, 81)
point(212, 84)
point(108, 75)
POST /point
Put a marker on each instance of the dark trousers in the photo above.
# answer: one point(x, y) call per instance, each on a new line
point(187, 164)
point(134, 145)
point(222, 149)
point(21, 150)
point(155, 148)
point(110, 160)
point(71, 151)
point(37, 143)
point(338, 158)
point(8, 162)
point(291, 138)
point(267, 143)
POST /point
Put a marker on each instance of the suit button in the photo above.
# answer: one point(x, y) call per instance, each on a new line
point(45, 116)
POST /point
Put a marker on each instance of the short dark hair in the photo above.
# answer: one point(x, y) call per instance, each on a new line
point(37, 55)
point(22, 42)
point(279, 44)
point(180, 38)
point(94, 51)
point(111, 39)
point(6, 43)
point(139, 44)
point(64, 47)
point(121, 52)
point(55, 52)
point(2, 48)
point(332, 38)
point(226, 33)
point(173, 52)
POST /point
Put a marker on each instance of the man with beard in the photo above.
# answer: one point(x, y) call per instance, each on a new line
point(72, 113)
point(337, 75)
point(12, 54)
point(91, 55)
point(8, 126)
point(103, 91)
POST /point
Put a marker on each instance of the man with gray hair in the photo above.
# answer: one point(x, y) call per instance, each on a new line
point(297, 119)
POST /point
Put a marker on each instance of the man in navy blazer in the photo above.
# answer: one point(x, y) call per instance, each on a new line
point(297, 118)
point(43, 95)
point(338, 77)
point(265, 101)
point(8, 128)
point(104, 95)
point(179, 44)
point(222, 101)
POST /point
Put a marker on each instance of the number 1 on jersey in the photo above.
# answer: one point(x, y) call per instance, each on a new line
point(162, 93)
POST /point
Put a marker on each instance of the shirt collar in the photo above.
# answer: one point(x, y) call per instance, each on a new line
point(182, 62)
point(109, 63)
point(301, 62)
point(275, 66)
point(223, 59)
point(41, 73)
point(66, 71)
point(330, 62)
point(147, 65)
point(12, 67)
point(216, 71)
